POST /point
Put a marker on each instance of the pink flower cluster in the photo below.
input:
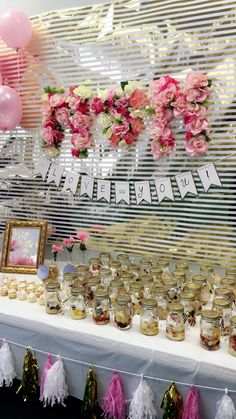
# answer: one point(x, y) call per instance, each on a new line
point(69, 243)
point(82, 236)
point(192, 105)
point(163, 93)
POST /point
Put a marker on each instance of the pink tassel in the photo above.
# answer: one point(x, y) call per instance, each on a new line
point(191, 408)
point(114, 401)
point(46, 367)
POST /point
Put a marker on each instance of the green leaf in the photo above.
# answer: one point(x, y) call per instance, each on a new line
point(209, 83)
point(149, 111)
point(83, 154)
point(53, 90)
point(123, 84)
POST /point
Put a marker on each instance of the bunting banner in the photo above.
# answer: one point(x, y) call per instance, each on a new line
point(101, 190)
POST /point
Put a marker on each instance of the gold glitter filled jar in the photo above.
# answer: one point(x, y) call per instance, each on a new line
point(105, 258)
point(78, 303)
point(115, 267)
point(232, 336)
point(53, 300)
point(123, 312)
point(136, 293)
point(187, 299)
point(161, 295)
point(223, 308)
point(149, 317)
point(101, 312)
point(175, 328)
point(147, 286)
point(94, 266)
point(210, 330)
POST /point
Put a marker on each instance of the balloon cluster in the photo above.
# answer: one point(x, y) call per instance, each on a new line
point(16, 32)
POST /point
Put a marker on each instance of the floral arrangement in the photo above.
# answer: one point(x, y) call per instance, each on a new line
point(122, 109)
point(56, 248)
point(163, 94)
point(82, 237)
point(69, 245)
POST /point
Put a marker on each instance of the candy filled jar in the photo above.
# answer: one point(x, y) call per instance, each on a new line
point(196, 290)
point(188, 301)
point(222, 306)
point(134, 269)
point(101, 312)
point(179, 275)
point(147, 286)
point(136, 293)
point(123, 312)
point(145, 265)
point(149, 317)
point(232, 336)
point(94, 266)
point(78, 303)
point(92, 286)
point(175, 328)
point(105, 277)
point(115, 267)
point(161, 295)
point(210, 330)
point(127, 278)
point(82, 275)
point(115, 286)
point(156, 274)
point(53, 299)
point(205, 293)
point(173, 291)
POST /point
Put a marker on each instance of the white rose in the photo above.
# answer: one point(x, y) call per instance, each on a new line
point(119, 92)
point(102, 94)
point(45, 97)
point(83, 91)
point(108, 133)
point(131, 86)
point(105, 120)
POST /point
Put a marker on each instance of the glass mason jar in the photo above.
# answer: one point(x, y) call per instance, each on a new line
point(82, 275)
point(147, 286)
point(94, 266)
point(115, 267)
point(187, 299)
point(124, 260)
point(232, 336)
point(210, 330)
point(182, 266)
point(196, 290)
point(212, 279)
point(134, 269)
point(222, 306)
point(223, 292)
point(92, 286)
point(161, 294)
point(227, 282)
point(179, 275)
point(105, 258)
point(78, 303)
point(115, 286)
point(230, 271)
point(173, 292)
point(101, 312)
point(123, 312)
point(53, 299)
point(127, 278)
point(164, 265)
point(175, 329)
point(105, 277)
point(145, 265)
point(156, 274)
point(136, 293)
point(149, 317)
point(205, 293)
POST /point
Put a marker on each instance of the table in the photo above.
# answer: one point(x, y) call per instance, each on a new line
point(156, 356)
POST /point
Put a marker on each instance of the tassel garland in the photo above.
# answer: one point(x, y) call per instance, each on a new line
point(172, 403)
point(29, 382)
point(55, 388)
point(7, 367)
point(47, 366)
point(225, 408)
point(191, 408)
point(142, 403)
point(89, 404)
point(113, 401)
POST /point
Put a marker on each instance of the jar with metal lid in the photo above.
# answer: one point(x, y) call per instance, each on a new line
point(196, 290)
point(105, 258)
point(127, 278)
point(149, 317)
point(228, 283)
point(161, 294)
point(115, 286)
point(173, 292)
point(124, 260)
point(179, 275)
point(77, 303)
point(223, 292)
point(105, 277)
point(82, 275)
point(123, 312)
point(136, 293)
point(164, 265)
point(147, 286)
point(232, 336)
point(92, 286)
point(115, 267)
point(53, 299)
point(182, 265)
point(230, 271)
point(210, 330)
point(94, 266)
point(205, 293)
point(101, 312)
point(223, 308)
point(212, 279)
point(187, 299)
point(175, 328)
point(156, 274)
point(134, 269)
point(145, 265)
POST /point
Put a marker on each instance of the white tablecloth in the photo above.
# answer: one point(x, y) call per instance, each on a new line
point(156, 356)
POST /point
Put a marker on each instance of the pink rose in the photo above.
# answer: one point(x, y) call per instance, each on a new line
point(69, 243)
point(83, 236)
point(114, 139)
point(56, 248)
point(137, 124)
point(164, 115)
point(130, 139)
point(120, 129)
point(46, 110)
point(158, 151)
point(111, 93)
point(75, 152)
point(168, 95)
point(198, 95)
point(195, 110)
point(180, 105)
point(97, 106)
point(197, 125)
point(82, 142)
point(58, 136)
point(138, 99)
point(49, 123)
point(123, 102)
point(79, 120)
point(167, 82)
point(196, 80)
point(48, 135)
point(62, 116)
point(56, 100)
point(197, 146)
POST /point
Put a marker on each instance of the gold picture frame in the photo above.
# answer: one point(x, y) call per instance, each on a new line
point(23, 246)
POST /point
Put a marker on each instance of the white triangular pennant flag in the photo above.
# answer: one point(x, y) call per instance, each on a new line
point(164, 189)
point(71, 182)
point(142, 191)
point(86, 188)
point(122, 192)
point(209, 176)
point(104, 190)
point(42, 167)
point(55, 173)
point(186, 184)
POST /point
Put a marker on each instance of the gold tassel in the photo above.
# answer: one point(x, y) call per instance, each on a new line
point(28, 388)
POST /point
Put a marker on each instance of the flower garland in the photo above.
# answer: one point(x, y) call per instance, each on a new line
point(122, 110)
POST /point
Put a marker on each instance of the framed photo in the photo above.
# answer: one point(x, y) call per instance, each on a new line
point(23, 246)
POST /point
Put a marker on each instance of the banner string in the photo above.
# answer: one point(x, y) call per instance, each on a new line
point(102, 367)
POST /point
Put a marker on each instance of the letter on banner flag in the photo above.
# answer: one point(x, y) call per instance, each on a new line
point(71, 182)
point(42, 167)
point(122, 192)
point(86, 188)
point(209, 176)
point(164, 189)
point(186, 184)
point(55, 173)
point(104, 190)
point(142, 191)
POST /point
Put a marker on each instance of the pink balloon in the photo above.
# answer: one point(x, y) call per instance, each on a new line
point(15, 28)
point(10, 108)
point(0, 79)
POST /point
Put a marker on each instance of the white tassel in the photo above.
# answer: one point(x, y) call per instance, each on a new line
point(142, 403)
point(55, 387)
point(7, 367)
point(225, 408)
